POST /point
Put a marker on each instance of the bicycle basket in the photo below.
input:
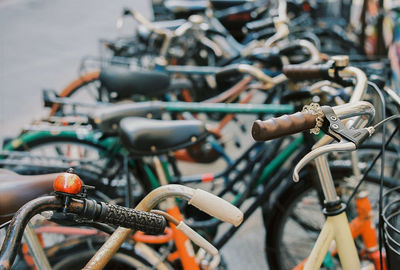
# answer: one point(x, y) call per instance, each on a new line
point(391, 226)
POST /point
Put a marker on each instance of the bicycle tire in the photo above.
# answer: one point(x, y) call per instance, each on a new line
point(77, 255)
point(86, 79)
point(283, 214)
point(78, 84)
point(104, 182)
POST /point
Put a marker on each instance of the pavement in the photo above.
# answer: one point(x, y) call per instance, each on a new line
point(41, 46)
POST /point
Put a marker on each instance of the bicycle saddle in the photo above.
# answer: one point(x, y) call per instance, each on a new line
point(126, 83)
point(152, 137)
point(107, 118)
point(16, 190)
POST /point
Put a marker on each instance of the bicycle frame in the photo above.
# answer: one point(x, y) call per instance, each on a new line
point(340, 221)
point(335, 228)
point(111, 143)
point(334, 225)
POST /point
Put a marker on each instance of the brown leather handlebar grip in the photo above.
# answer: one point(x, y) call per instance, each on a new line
point(282, 126)
point(306, 72)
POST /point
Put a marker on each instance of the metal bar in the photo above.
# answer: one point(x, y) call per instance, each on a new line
point(15, 231)
point(36, 249)
point(228, 108)
point(281, 158)
point(326, 180)
point(192, 69)
point(111, 246)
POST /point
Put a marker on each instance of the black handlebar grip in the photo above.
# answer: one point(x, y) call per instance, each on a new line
point(306, 72)
point(282, 126)
point(149, 223)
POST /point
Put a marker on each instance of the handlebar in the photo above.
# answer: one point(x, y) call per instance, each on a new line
point(144, 21)
point(146, 222)
point(282, 126)
point(335, 70)
point(86, 209)
point(307, 72)
point(168, 34)
point(216, 207)
point(17, 225)
point(302, 121)
point(211, 204)
point(135, 219)
point(180, 31)
point(260, 75)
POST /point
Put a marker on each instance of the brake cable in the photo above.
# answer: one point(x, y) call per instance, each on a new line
point(382, 155)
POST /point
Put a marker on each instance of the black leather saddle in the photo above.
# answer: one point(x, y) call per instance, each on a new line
point(107, 118)
point(126, 83)
point(153, 137)
point(16, 190)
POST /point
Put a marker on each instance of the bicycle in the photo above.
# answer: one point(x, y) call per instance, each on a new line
point(104, 86)
point(69, 199)
point(279, 127)
point(262, 173)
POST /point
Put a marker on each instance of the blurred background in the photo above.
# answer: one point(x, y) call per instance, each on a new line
point(42, 43)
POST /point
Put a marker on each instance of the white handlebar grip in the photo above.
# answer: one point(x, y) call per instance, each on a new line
point(197, 238)
point(216, 207)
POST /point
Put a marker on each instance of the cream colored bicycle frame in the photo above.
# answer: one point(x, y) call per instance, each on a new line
point(336, 228)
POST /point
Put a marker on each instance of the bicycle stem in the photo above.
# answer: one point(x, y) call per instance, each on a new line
point(322, 165)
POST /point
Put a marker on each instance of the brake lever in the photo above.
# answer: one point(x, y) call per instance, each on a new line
point(342, 146)
point(348, 139)
point(335, 128)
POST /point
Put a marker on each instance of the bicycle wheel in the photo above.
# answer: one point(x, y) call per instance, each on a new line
point(76, 255)
point(56, 153)
point(87, 87)
point(295, 220)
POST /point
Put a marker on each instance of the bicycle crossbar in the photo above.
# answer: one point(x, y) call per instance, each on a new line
point(197, 107)
point(191, 70)
point(227, 108)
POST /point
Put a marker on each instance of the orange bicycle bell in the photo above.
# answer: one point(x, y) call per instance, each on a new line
point(68, 183)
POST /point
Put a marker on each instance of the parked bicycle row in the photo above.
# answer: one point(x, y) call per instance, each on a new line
point(146, 155)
